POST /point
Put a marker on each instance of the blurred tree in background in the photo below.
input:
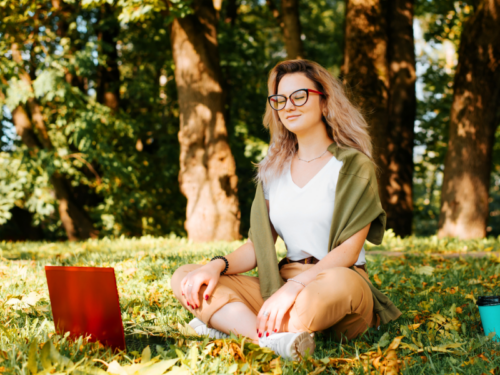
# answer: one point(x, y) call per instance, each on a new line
point(442, 23)
point(91, 115)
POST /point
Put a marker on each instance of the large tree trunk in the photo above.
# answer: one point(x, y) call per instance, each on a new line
point(75, 220)
point(473, 122)
point(289, 22)
point(108, 80)
point(291, 29)
point(207, 169)
point(366, 71)
point(379, 66)
point(402, 112)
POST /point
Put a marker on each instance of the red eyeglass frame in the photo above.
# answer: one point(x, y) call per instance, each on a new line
point(269, 98)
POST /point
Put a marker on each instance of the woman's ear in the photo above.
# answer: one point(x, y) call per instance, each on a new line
point(324, 110)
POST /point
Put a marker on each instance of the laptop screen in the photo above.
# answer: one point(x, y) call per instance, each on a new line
point(85, 302)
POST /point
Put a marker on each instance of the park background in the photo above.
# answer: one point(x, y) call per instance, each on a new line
point(101, 135)
point(131, 127)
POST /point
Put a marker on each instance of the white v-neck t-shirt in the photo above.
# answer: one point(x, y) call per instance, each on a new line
point(302, 217)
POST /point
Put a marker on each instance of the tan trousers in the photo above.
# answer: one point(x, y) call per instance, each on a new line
point(337, 300)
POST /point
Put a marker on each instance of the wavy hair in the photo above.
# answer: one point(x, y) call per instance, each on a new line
point(343, 120)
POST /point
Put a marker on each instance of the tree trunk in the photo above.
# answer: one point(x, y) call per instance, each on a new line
point(207, 169)
point(402, 112)
point(74, 218)
point(366, 71)
point(473, 121)
point(24, 129)
point(289, 22)
point(292, 29)
point(108, 80)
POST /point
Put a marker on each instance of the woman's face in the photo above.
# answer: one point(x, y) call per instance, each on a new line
point(303, 118)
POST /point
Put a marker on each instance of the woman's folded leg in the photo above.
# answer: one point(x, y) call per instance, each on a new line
point(338, 299)
point(238, 294)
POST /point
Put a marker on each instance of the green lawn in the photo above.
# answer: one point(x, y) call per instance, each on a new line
point(440, 330)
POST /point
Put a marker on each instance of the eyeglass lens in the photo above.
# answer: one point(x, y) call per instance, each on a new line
point(298, 98)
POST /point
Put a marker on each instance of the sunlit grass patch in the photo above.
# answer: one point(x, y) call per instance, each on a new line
point(440, 330)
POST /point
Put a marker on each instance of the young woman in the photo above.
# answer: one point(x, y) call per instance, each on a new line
point(321, 194)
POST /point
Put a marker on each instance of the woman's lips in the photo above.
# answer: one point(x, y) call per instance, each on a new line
point(292, 117)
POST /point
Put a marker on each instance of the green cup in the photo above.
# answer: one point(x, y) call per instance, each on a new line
point(489, 309)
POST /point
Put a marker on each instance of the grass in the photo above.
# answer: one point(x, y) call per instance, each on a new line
point(440, 330)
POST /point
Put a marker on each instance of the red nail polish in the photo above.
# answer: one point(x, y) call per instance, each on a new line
point(267, 334)
point(260, 334)
point(257, 331)
point(276, 330)
point(188, 304)
point(196, 307)
point(206, 297)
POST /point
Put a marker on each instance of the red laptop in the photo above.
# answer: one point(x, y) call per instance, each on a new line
point(85, 302)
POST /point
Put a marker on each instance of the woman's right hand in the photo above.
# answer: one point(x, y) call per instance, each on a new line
point(207, 275)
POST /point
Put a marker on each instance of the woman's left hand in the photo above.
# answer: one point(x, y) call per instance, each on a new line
point(276, 307)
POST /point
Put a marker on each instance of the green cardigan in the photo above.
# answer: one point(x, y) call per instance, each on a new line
point(357, 203)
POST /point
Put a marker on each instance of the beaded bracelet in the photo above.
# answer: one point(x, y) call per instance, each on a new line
point(225, 260)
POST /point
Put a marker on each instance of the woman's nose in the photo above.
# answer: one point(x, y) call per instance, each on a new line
point(289, 105)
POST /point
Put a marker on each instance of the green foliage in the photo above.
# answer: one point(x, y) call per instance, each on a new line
point(439, 331)
point(433, 116)
point(122, 166)
point(126, 189)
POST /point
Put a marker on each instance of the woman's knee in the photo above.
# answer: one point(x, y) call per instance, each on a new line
point(338, 286)
point(333, 294)
point(178, 275)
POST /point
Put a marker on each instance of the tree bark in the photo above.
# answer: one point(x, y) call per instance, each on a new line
point(75, 220)
point(473, 121)
point(24, 129)
point(289, 22)
point(402, 112)
point(292, 29)
point(207, 169)
point(366, 71)
point(108, 80)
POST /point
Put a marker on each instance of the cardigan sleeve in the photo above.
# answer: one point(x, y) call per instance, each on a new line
point(357, 203)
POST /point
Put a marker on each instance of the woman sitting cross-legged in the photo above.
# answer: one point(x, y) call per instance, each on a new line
point(317, 190)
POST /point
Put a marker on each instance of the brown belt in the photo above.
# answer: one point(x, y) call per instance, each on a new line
point(310, 260)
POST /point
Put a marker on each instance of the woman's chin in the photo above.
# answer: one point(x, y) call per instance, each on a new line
point(295, 126)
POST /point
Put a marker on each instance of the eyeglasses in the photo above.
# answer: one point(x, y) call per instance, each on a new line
point(298, 98)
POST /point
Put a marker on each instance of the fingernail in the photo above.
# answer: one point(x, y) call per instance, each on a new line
point(196, 307)
point(206, 297)
point(276, 330)
point(260, 334)
point(188, 304)
point(257, 331)
point(267, 334)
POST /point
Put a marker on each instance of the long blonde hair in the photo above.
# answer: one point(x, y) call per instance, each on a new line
point(343, 120)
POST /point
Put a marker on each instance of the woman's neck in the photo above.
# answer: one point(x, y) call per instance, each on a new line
point(311, 144)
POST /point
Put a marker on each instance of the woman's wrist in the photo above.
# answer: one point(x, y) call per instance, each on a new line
point(297, 282)
point(217, 264)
